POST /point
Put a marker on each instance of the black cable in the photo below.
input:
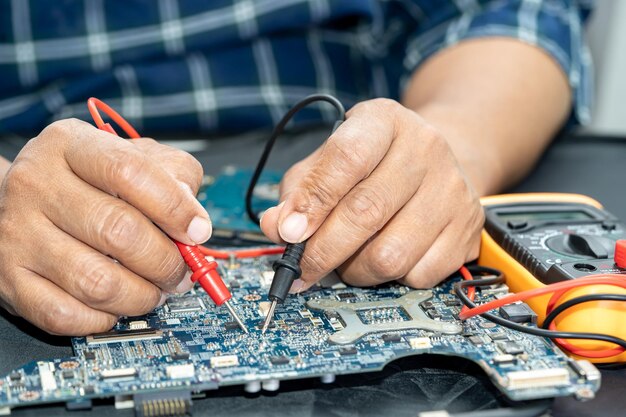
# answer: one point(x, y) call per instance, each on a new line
point(551, 334)
point(579, 300)
point(479, 269)
point(287, 268)
point(278, 130)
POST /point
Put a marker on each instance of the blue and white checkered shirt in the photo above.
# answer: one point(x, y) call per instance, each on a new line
point(229, 65)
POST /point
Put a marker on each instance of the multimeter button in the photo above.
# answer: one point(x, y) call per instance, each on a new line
point(516, 225)
point(608, 226)
point(620, 254)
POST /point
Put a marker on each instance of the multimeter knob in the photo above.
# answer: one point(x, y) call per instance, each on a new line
point(582, 245)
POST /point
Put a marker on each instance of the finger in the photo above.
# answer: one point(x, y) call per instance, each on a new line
point(50, 308)
point(442, 259)
point(269, 219)
point(347, 157)
point(121, 169)
point(181, 165)
point(114, 227)
point(404, 240)
point(92, 278)
point(363, 211)
point(294, 175)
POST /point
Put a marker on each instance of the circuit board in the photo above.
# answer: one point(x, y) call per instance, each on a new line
point(155, 363)
point(224, 198)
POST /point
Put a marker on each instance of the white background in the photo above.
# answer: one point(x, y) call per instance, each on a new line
point(607, 39)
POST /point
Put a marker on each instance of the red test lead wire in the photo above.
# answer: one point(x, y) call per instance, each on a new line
point(203, 271)
point(557, 290)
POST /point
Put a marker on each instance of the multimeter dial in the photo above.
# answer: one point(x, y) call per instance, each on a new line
point(582, 246)
point(557, 241)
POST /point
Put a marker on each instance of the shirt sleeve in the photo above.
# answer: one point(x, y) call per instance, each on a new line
point(556, 26)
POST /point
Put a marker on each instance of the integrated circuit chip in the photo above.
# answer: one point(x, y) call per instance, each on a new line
point(346, 296)
point(392, 338)
point(279, 360)
point(231, 325)
point(347, 351)
point(498, 336)
point(180, 356)
point(510, 348)
point(476, 340)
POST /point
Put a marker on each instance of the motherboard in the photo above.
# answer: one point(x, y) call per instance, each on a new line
point(157, 362)
point(224, 198)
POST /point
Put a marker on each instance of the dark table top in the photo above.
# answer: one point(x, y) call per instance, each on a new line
point(577, 164)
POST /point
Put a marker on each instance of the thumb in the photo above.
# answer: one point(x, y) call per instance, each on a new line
point(289, 182)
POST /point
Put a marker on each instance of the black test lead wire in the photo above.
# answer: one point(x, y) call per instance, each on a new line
point(287, 269)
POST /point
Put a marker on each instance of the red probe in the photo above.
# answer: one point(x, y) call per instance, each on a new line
point(203, 271)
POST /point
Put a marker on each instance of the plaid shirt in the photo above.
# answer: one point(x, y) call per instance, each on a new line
point(232, 65)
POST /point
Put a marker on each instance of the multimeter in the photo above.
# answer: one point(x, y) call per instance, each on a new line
point(540, 239)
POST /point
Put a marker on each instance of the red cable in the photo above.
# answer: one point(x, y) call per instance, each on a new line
point(94, 104)
point(471, 291)
point(203, 271)
point(558, 290)
point(608, 279)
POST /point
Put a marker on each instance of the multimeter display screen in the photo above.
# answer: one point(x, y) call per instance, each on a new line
point(542, 216)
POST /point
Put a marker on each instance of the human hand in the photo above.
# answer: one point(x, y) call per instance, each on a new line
point(382, 199)
point(84, 224)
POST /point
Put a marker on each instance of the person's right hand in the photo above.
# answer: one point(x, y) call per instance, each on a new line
point(84, 224)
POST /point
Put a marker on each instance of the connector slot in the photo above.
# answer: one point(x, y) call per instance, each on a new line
point(116, 336)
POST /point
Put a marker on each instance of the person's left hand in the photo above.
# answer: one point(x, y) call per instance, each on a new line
point(382, 199)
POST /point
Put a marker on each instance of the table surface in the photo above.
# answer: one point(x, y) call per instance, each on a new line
point(576, 164)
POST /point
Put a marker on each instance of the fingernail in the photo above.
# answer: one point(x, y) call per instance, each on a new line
point(293, 227)
point(185, 285)
point(162, 300)
point(271, 208)
point(296, 287)
point(263, 214)
point(199, 230)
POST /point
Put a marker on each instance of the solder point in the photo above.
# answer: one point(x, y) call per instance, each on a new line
point(236, 317)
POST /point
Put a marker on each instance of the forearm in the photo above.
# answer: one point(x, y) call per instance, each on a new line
point(498, 102)
point(4, 167)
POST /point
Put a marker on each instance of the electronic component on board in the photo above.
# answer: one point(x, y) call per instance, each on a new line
point(316, 333)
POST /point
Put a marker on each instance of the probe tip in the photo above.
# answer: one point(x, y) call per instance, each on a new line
point(269, 317)
point(236, 317)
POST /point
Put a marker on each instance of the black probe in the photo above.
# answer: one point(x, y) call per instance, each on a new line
point(287, 269)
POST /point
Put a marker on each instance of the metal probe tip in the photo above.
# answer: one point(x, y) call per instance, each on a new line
point(236, 317)
point(269, 317)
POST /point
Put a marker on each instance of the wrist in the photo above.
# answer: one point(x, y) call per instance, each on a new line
point(469, 143)
point(4, 167)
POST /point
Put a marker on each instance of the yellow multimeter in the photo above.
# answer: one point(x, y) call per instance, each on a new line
point(539, 239)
